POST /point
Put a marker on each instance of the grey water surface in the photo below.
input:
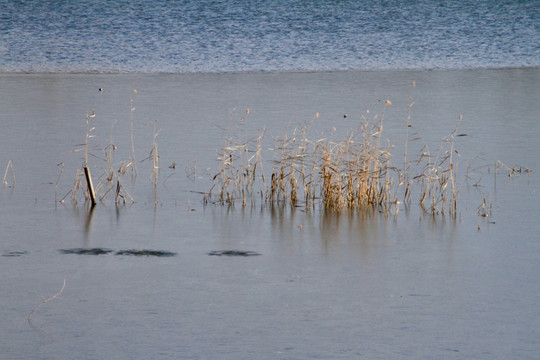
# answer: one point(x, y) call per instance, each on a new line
point(323, 284)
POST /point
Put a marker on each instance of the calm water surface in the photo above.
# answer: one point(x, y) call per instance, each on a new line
point(326, 285)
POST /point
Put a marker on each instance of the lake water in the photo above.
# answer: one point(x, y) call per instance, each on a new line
point(326, 284)
point(265, 281)
point(217, 36)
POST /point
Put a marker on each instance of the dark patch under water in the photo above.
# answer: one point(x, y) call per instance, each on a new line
point(81, 251)
point(132, 252)
point(14, 253)
point(233, 253)
point(145, 253)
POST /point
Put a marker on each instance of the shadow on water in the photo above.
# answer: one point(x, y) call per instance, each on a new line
point(14, 253)
point(158, 253)
point(81, 251)
point(233, 253)
point(104, 251)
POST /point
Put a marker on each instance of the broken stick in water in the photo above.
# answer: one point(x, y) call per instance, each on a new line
point(90, 185)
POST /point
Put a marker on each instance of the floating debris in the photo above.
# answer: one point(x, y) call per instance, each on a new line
point(158, 253)
point(81, 251)
point(233, 253)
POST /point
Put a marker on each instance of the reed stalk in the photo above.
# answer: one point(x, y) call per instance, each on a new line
point(155, 161)
point(9, 167)
point(90, 185)
point(57, 181)
point(131, 110)
point(46, 301)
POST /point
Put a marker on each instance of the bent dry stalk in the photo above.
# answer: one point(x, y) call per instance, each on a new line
point(8, 167)
point(46, 301)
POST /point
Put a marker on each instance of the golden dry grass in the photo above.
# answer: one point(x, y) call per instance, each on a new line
point(354, 172)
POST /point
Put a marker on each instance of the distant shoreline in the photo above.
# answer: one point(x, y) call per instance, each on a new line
point(258, 72)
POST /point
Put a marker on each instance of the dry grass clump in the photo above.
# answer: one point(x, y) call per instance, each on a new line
point(348, 173)
point(438, 178)
point(240, 162)
point(355, 172)
point(292, 172)
point(111, 179)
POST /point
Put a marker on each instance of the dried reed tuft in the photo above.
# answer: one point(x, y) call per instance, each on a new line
point(240, 161)
point(350, 173)
point(355, 172)
point(110, 180)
